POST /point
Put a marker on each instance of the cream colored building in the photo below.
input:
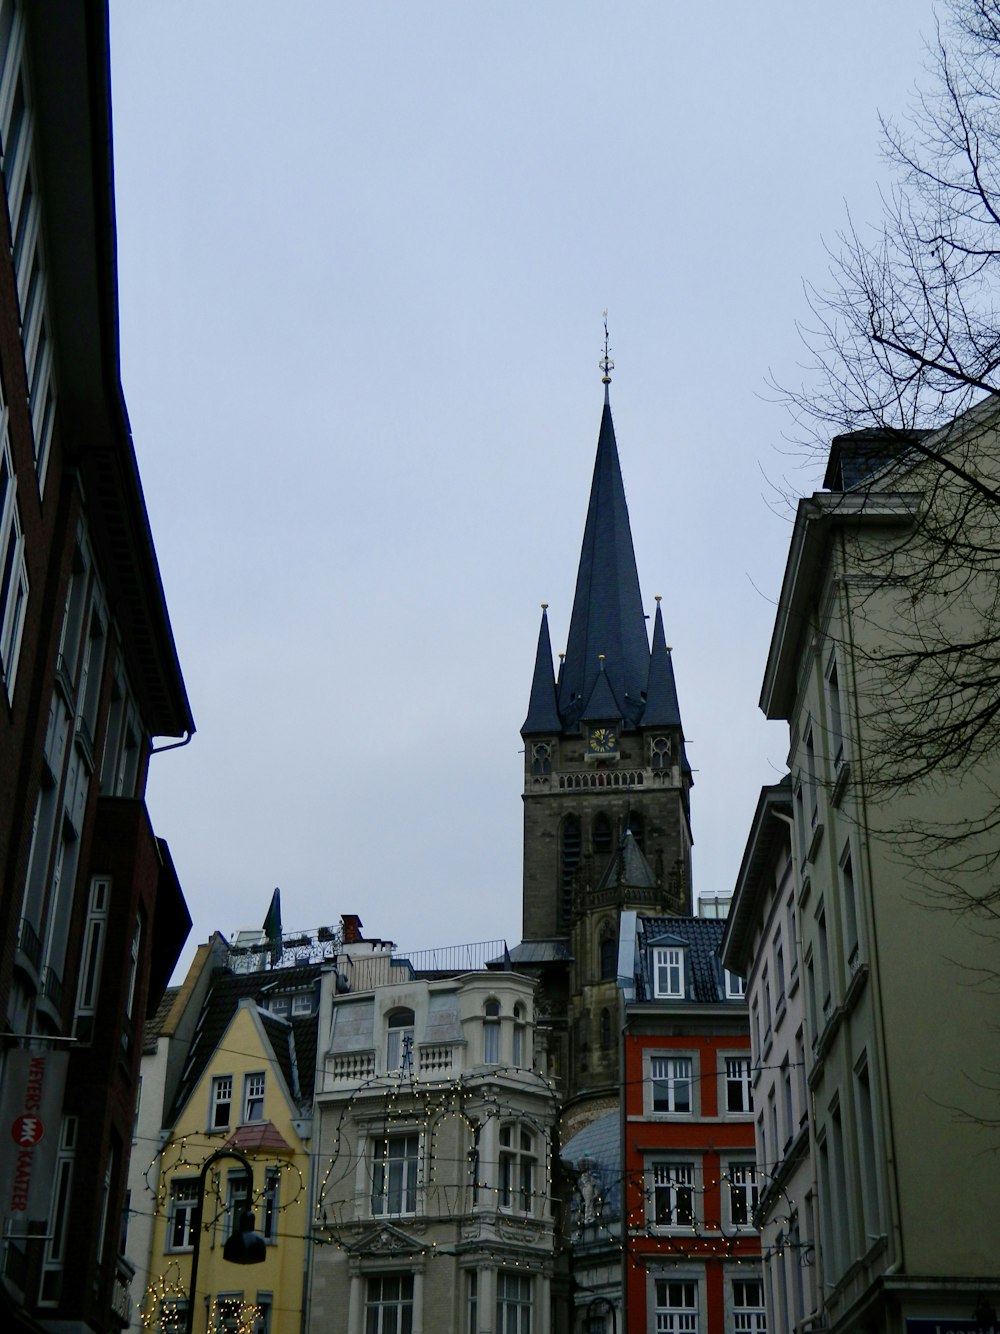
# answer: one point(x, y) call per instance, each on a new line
point(899, 984)
point(434, 1151)
point(762, 944)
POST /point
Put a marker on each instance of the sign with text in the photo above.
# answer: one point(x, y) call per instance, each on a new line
point(948, 1324)
point(30, 1115)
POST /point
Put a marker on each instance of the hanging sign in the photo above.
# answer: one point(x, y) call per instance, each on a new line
point(30, 1116)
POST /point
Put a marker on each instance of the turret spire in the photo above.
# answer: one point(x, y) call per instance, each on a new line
point(662, 708)
point(543, 716)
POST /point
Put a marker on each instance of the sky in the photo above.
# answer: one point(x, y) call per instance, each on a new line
point(364, 252)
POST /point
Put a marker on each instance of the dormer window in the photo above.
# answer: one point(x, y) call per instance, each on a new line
point(736, 987)
point(668, 972)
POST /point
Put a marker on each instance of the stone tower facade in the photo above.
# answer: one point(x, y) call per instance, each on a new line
point(606, 794)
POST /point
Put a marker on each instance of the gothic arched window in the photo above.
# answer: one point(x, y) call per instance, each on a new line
point(602, 834)
point(607, 956)
point(541, 758)
point(660, 752)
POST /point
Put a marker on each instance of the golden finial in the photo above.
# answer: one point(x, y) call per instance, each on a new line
point(606, 364)
point(545, 606)
point(658, 597)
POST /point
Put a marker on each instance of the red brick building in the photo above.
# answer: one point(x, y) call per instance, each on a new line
point(691, 1252)
point(91, 914)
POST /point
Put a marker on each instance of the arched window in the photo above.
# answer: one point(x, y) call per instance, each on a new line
point(605, 1030)
point(638, 827)
point(518, 1168)
point(569, 860)
point(608, 952)
point(660, 752)
point(602, 835)
point(519, 1036)
point(491, 1032)
point(399, 1041)
point(541, 758)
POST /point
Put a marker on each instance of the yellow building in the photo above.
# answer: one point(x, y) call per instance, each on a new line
point(246, 1088)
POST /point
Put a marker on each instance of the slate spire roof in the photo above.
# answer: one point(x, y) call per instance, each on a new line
point(607, 607)
point(543, 715)
point(662, 708)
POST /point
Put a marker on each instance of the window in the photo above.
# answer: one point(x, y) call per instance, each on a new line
point(834, 713)
point(739, 1089)
point(237, 1205)
point(569, 859)
point(399, 1041)
point(235, 1315)
point(851, 947)
point(659, 749)
point(779, 970)
point(602, 835)
point(519, 1035)
point(55, 1247)
point(823, 959)
point(133, 965)
point(389, 1304)
point(608, 956)
point(673, 1194)
point(541, 758)
point(517, 1169)
point(671, 1082)
point(394, 1179)
point(869, 1160)
point(183, 1205)
point(736, 986)
point(222, 1102)
point(13, 569)
point(93, 949)
point(748, 1306)
point(253, 1096)
point(513, 1303)
point(668, 972)
point(472, 1302)
point(303, 1003)
point(173, 1315)
point(744, 1194)
point(491, 1032)
point(676, 1307)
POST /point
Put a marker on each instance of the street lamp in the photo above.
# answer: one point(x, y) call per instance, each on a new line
point(244, 1246)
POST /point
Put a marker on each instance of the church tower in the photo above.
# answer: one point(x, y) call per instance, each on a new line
point(606, 790)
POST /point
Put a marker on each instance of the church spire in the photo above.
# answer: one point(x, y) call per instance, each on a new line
point(543, 716)
point(607, 616)
point(662, 708)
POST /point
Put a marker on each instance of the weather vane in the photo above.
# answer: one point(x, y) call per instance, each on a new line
point(606, 364)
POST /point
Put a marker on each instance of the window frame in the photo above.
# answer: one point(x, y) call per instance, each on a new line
point(395, 1174)
point(672, 964)
point(217, 1100)
point(518, 1162)
point(673, 1196)
point(400, 1024)
point(184, 1201)
point(673, 1080)
point(742, 1184)
point(253, 1094)
point(742, 1079)
point(680, 1316)
point(402, 1303)
point(515, 1302)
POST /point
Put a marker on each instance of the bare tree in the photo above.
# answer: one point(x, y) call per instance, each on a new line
point(904, 365)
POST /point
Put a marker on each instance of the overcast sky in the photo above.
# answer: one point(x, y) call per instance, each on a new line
point(363, 255)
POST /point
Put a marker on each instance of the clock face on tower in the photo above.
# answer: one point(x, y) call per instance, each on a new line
point(602, 741)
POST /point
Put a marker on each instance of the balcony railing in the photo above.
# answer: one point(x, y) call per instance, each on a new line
point(29, 944)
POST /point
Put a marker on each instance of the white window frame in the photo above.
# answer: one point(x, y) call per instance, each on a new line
point(675, 1305)
point(399, 1039)
point(742, 1194)
point(673, 1194)
point(738, 1072)
point(237, 1204)
point(13, 566)
point(748, 1317)
point(668, 972)
point(517, 1168)
point(254, 1089)
point(181, 1215)
point(736, 986)
point(221, 1096)
point(675, 1076)
point(92, 956)
point(395, 1174)
point(491, 1032)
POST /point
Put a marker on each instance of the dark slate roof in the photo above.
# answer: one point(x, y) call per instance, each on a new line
point(702, 938)
point(226, 992)
point(607, 612)
point(543, 715)
point(602, 702)
point(540, 951)
point(662, 708)
point(153, 1027)
point(628, 866)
